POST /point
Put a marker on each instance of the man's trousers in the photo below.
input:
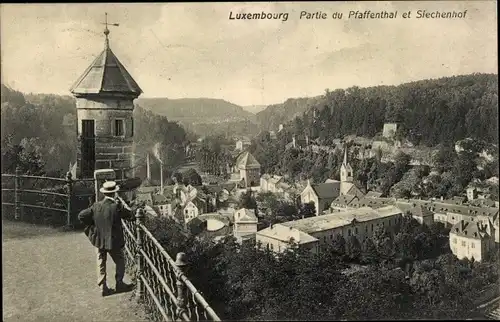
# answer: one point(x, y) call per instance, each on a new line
point(118, 258)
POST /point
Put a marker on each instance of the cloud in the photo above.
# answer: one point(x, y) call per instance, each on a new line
point(194, 50)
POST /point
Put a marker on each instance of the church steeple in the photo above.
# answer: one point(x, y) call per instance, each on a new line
point(345, 156)
point(346, 173)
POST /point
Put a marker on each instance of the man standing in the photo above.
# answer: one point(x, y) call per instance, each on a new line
point(105, 232)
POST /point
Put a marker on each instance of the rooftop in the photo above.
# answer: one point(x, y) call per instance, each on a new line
point(339, 219)
point(106, 74)
point(245, 215)
point(327, 190)
point(246, 161)
point(469, 229)
point(285, 233)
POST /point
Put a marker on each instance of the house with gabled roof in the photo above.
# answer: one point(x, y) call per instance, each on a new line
point(472, 239)
point(245, 223)
point(193, 208)
point(323, 194)
point(342, 202)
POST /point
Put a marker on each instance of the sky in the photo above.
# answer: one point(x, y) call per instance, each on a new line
point(181, 50)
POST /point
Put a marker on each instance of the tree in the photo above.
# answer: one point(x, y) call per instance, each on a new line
point(339, 244)
point(353, 248)
point(247, 200)
point(383, 242)
point(443, 158)
point(192, 177)
point(369, 254)
point(307, 210)
point(25, 155)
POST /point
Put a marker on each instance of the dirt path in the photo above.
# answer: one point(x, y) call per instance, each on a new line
point(50, 276)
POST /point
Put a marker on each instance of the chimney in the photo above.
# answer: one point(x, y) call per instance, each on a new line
point(148, 167)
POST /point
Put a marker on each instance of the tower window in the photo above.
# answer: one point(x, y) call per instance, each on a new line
point(119, 128)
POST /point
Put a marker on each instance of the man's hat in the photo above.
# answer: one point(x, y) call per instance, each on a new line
point(109, 187)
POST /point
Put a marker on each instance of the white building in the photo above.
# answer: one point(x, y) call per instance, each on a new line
point(472, 239)
point(245, 223)
point(315, 233)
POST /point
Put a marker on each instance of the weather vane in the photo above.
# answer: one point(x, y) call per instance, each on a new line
point(106, 30)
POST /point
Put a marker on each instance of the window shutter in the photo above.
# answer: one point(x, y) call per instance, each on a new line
point(112, 127)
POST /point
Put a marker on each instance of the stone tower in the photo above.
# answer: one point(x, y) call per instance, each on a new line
point(346, 173)
point(104, 102)
point(249, 169)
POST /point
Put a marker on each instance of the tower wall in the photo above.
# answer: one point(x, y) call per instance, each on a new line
point(111, 152)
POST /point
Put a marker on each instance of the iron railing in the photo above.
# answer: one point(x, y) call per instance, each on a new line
point(46, 200)
point(161, 283)
point(40, 199)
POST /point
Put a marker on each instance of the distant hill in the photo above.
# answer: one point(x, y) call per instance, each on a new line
point(272, 116)
point(254, 108)
point(204, 116)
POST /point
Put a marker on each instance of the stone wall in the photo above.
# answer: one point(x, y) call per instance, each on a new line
point(111, 152)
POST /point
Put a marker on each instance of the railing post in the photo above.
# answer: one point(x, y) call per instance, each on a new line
point(17, 193)
point(181, 264)
point(139, 218)
point(69, 183)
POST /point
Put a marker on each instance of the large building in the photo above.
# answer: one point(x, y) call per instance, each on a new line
point(315, 233)
point(105, 93)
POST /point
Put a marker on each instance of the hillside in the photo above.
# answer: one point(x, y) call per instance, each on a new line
point(433, 113)
point(272, 116)
point(38, 130)
point(254, 108)
point(428, 112)
point(204, 116)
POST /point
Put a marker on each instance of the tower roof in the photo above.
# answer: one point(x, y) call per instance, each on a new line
point(345, 163)
point(106, 74)
point(247, 161)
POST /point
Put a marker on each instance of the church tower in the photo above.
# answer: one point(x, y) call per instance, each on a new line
point(346, 173)
point(104, 101)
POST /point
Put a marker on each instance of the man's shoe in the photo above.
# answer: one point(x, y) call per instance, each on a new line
point(105, 291)
point(123, 287)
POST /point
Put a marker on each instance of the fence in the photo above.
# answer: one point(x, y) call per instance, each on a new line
point(161, 283)
point(46, 200)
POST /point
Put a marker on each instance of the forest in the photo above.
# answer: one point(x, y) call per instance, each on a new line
point(429, 112)
point(434, 113)
point(39, 133)
point(402, 276)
